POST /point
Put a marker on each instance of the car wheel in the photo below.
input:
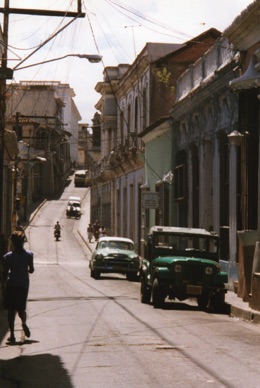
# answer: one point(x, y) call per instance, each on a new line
point(218, 301)
point(96, 275)
point(145, 292)
point(203, 301)
point(131, 276)
point(157, 294)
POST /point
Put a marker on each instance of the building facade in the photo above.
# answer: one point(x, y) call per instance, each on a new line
point(132, 99)
point(35, 113)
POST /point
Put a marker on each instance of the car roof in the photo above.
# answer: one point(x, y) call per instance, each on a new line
point(179, 230)
point(81, 172)
point(109, 238)
point(72, 198)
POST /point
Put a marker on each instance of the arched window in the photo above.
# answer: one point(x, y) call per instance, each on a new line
point(144, 108)
point(195, 186)
point(129, 118)
point(136, 114)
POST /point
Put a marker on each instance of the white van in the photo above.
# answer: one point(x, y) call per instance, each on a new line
point(81, 179)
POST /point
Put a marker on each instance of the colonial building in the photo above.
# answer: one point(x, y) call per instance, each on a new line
point(204, 115)
point(216, 146)
point(46, 100)
point(132, 99)
point(244, 35)
point(45, 119)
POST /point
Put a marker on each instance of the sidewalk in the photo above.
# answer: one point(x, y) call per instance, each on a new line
point(240, 309)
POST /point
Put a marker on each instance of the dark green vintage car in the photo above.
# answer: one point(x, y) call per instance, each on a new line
point(182, 263)
point(115, 255)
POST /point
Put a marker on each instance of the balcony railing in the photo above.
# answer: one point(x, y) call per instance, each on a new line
point(204, 68)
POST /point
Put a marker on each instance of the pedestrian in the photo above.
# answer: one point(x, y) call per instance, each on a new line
point(3, 251)
point(20, 228)
point(17, 264)
point(102, 231)
point(96, 227)
point(90, 232)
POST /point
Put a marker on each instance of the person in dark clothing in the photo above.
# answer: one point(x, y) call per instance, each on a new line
point(96, 227)
point(90, 232)
point(17, 265)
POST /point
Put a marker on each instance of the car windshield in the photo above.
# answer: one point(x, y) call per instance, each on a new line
point(182, 242)
point(114, 244)
point(74, 204)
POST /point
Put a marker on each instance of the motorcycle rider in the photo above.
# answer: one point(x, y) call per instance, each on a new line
point(57, 228)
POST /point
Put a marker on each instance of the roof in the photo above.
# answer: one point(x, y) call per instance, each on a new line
point(179, 230)
point(116, 239)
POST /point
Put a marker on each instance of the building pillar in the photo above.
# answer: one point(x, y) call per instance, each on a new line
point(233, 213)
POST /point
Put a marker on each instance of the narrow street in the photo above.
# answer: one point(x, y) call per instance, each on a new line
point(96, 333)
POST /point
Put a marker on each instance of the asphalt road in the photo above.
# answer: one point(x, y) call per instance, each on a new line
point(96, 333)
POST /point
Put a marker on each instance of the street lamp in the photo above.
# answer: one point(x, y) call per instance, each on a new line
point(92, 58)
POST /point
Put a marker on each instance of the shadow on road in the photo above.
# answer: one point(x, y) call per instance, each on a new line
point(39, 371)
point(225, 310)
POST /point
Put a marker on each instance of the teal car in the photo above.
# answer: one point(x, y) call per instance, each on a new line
point(182, 263)
point(115, 255)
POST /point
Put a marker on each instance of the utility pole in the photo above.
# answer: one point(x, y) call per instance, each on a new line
point(2, 111)
point(5, 74)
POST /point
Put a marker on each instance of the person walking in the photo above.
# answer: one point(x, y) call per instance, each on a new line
point(96, 227)
point(17, 265)
point(20, 228)
point(90, 232)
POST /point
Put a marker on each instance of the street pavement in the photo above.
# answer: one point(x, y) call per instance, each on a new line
point(238, 309)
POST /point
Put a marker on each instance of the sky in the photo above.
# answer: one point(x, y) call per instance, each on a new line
point(115, 29)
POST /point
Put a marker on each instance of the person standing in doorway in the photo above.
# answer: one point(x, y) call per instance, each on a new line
point(17, 264)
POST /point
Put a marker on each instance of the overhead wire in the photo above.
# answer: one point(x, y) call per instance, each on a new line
point(53, 35)
point(140, 15)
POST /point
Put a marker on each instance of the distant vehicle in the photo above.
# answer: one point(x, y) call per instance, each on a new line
point(74, 199)
point(82, 179)
point(115, 255)
point(73, 207)
point(182, 263)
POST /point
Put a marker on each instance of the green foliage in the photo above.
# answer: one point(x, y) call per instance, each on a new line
point(164, 76)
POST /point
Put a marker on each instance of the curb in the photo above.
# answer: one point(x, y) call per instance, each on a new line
point(247, 315)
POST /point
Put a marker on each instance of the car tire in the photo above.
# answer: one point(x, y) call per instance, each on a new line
point(203, 301)
point(145, 292)
point(131, 276)
point(158, 296)
point(218, 301)
point(96, 275)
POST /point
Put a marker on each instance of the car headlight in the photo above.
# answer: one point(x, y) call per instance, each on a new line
point(177, 268)
point(208, 270)
point(99, 257)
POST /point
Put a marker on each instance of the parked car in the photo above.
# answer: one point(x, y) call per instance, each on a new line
point(115, 255)
point(182, 263)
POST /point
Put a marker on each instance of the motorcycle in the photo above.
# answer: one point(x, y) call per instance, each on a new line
point(57, 234)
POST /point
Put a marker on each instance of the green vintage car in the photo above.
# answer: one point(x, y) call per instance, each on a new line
point(182, 263)
point(115, 255)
